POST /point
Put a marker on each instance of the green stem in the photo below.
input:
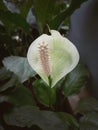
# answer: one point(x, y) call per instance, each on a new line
point(50, 84)
point(50, 81)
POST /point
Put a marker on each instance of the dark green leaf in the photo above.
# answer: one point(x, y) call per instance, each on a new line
point(5, 38)
point(2, 6)
point(69, 119)
point(28, 116)
point(4, 74)
point(75, 80)
point(89, 122)
point(26, 7)
point(44, 93)
point(10, 84)
point(89, 104)
point(57, 21)
point(43, 10)
point(12, 19)
point(19, 66)
point(20, 96)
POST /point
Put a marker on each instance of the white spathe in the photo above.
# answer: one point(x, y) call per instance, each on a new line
point(63, 56)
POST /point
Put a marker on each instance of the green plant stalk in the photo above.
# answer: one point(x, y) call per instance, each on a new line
point(50, 85)
point(50, 81)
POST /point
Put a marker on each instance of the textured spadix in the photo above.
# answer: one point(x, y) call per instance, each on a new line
point(52, 56)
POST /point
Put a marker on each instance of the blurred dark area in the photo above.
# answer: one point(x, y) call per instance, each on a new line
point(84, 34)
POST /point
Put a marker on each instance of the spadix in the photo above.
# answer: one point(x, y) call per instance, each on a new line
point(52, 57)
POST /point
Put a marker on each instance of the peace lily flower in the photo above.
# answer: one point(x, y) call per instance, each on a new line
point(52, 57)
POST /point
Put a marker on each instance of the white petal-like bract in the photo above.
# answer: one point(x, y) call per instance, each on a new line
point(52, 55)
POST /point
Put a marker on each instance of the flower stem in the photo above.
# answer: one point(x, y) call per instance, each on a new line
point(50, 81)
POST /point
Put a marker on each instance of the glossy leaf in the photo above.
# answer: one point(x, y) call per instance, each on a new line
point(69, 119)
point(20, 96)
point(75, 80)
point(89, 122)
point(87, 105)
point(43, 93)
point(46, 120)
point(19, 66)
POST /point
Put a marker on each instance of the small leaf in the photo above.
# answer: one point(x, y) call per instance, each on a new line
point(44, 93)
point(89, 122)
point(28, 116)
point(75, 80)
point(19, 66)
point(86, 105)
